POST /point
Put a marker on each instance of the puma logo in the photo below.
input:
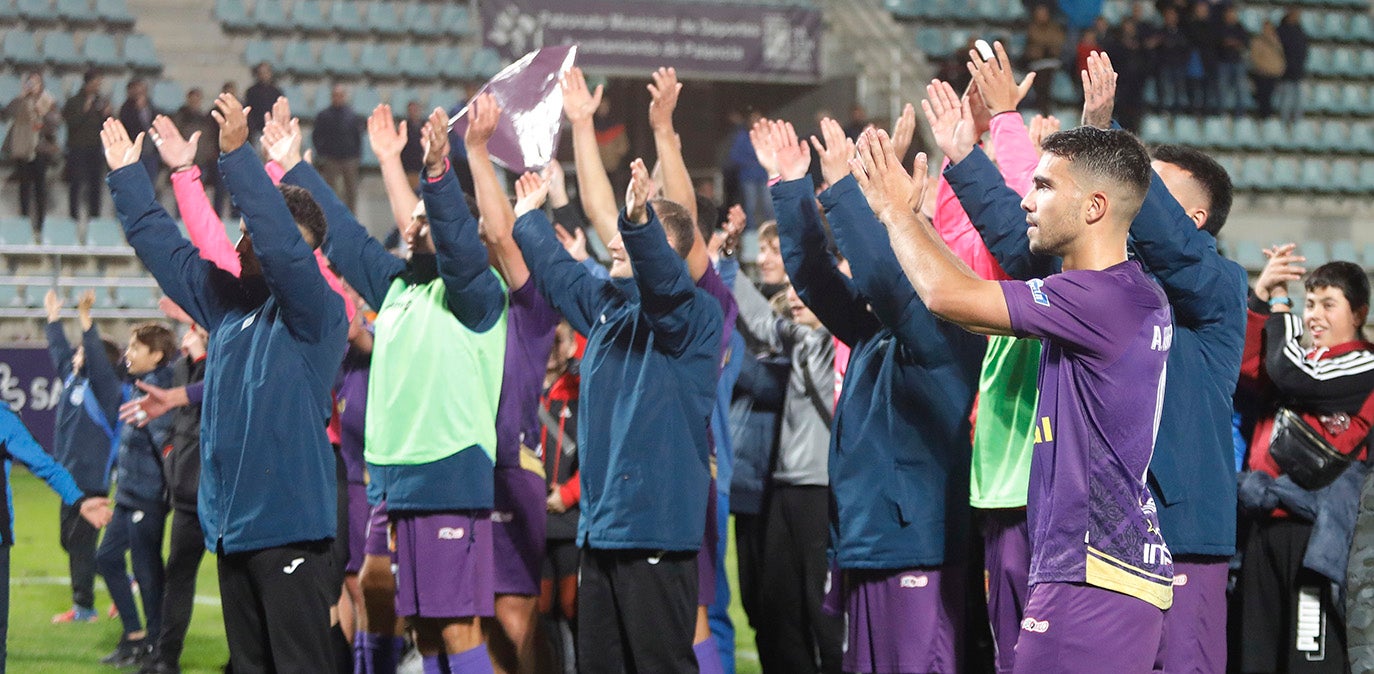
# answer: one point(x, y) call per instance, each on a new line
point(295, 564)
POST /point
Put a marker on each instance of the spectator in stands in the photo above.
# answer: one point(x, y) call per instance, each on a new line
point(137, 115)
point(1129, 53)
point(1267, 65)
point(1294, 41)
point(1045, 37)
point(1231, 53)
point(413, 154)
point(259, 97)
point(84, 434)
point(84, 112)
point(558, 445)
point(1295, 565)
point(338, 140)
point(1201, 32)
point(31, 145)
point(191, 118)
point(753, 180)
point(1172, 53)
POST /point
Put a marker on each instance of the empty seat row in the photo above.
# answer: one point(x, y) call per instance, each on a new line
point(990, 11)
point(348, 17)
point(58, 49)
point(61, 231)
point(1354, 62)
point(113, 13)
point(1249, 253)
point(14, 296)
point(1308, 135)
point(1310, 176)
point(377, 61)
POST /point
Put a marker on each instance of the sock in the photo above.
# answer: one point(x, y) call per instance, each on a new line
point(398, 648)
point(364, 645)
point(708, 657)
point(342, 651)
point(471, 661)
point(431, 664)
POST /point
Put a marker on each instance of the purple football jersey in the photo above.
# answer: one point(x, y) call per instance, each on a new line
point(529, 339)
point(1107, 336)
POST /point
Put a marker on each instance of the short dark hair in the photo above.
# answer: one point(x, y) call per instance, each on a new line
point(307, 214)
point(1213, 178)
point(677, 222)
point(707, 215)
point(158, 338)
point(113, 353)
point(1347, 277)
point(1113, 154)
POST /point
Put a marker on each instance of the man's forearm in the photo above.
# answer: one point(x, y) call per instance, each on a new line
point(593, 186)
point(399, 193)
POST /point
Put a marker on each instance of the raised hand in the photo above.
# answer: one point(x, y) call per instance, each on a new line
point(835, 152)
point(794, 160)
point(97, 511)
point(1099, 90)
point(156, 402)
point(434, 138)
point(558, 186)
point(530, 192)
point(119, 150)
point(483, 117)
point(174, 312)
point(664, 91)
point(1040, 127)
point(53, 304)
point(951, 121)
point(879, 172)
point(904, 131)
point(637, 194)
point(83, 308)
point(281, 135)
point(1281, 268)
point(735, 221)
point(384, 135)
point(176, 152)
point(761, 137)
point(233, 122)
point(579, 104)
point(575, 242)
point(995, 82)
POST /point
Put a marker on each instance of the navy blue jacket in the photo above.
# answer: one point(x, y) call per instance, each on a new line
point(276, 343)
point(17, 444)
point(474, 294)
point(900, 448)
point(648, 386)
point(1192, 473)
point(138, 468)
point(80, 444)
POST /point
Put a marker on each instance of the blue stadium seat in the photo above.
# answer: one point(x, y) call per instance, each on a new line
point(1344, 62)
point(1217, 132)
point(455, 20)
point(258, 51)
point(1286, 175)
point(168, 95)
point(1247, 132)
point(1367, 175)
point(419, 20)
point(59, 50)
point(114, 13)
point(77, 12)
point(1324, 98)
point(365, 100)
point(16, 230)
point(1062, 90)
point(450, 63)
point(931, 41)
point(1316, 252)
point(320, 100)
point(1346, 251)
point(1316, 176)
point(1365, 67)
point(345, 17)
point(375, 61)
point(1361, 138)
point(1307, 135)
point(413, 63)
point(37, 11)
point(308, 17)
point(486, 62)
point(299, 59)
point(233, 15)
point(104, 232)
point(298, 96)
point(9, 89)
point(1319, 61)
point(380, 17)
point(901, 9)
point(369, 158)
point(1335, 137)
point(1252, 18)
point(99, 51)
point(8, 12)
point(140, 53)
point(59, 231)
point(338, 60)
point(1187, 131)
point(21, 50)
point(1355, 100)
point(1155, 129)
point(1361, 28)
point(11, 296)
point(1246, 253)
point(136, 297)
point(270, 17)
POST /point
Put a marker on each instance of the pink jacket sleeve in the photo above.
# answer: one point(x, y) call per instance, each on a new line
point(1016, 158)
point(202, 223)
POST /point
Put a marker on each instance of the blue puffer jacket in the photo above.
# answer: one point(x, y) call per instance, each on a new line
point(138, 467)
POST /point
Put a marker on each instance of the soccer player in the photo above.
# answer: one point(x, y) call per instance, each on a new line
point(267, 488)
point(653, 337)
point(433, 391)
point(1101, 575)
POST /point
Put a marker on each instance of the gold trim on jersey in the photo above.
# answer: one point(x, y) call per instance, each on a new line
point(1110, 573)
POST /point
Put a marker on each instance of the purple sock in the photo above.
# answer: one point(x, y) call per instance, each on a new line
point(708, 657)
point(362, 647)
point(471, 661)
point(398, 648)
point(434, 664)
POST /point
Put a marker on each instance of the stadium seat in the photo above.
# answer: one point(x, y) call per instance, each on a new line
point(486, 63)
point(1325, 98)
point(270, 17)
point(413, 63)
point(1062, 90)
point(15, 230)
point(420, 22)
point(1367, 175)
point(931, 41)
point(1306, 135)
point(104, 232)
point(258, 51)
point(321, 99)
point(1155, 129)
point(1361, 138)
point(1247, 253)
point(1319, 61)
point(365, 99)
point(345, 17)
point(21, 50)
point(1344, 62)
point(77, 12)
point(1217, 132)
point(1316, 252)
point(140, 53)
point(99, 51)
point(233, 15)
point(1247, 132)
point(59, 50)
point(37, 11)
point(1346, 251)
point(1316, 176)
point(11, 296)
point(1333, 27)
point(1365, 68)
point(1187, 131)
point(8, 12)
point(10, 87)
point(375, 60)
point(1361, 29)
point(168, 95)
point(1287, 174)
point(338, 60)
point(454, 20)
point(308, 17)
point(59, 231)
point(1335, 137)
point(1252, 18)
point(380, 18)
point(299, 59)
point(450, 63)
point(136, 297)
point(298, 96)
point(114, 13)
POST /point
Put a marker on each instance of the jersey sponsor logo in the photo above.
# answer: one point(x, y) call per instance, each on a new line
point(451, 533)
point(1032, 625)
point(1044, 431)
point(295, 564)
point(1163, 338)
point(1180, 580)
point(502, 517)
point(1156, 553)
point(1149, 507)
point(1037, 294)
point(913, 581)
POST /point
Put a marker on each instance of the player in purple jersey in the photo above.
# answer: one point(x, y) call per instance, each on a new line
point(1101, 575)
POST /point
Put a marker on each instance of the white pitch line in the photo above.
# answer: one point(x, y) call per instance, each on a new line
point(201, 600)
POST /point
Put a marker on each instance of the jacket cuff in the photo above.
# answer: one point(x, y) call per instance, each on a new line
point(1257, 305)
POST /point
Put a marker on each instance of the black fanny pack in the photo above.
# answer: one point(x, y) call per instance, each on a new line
point(1303, 454)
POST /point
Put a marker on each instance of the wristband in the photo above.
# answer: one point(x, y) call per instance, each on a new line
point(1285, 301)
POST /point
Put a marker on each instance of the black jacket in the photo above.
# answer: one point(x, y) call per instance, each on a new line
point(181, 465)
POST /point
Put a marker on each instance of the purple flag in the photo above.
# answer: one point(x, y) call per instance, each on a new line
point(531, 109)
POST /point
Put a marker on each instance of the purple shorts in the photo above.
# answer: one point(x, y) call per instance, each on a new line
point(377, 538)
point(358, 511)
point(1195, 626)
point(706, 556)
point(518, 524)
point(1006, 575)
point(1072, 628)
point(444, 564)
point(904, 621)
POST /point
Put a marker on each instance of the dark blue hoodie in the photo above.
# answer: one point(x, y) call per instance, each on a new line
point(276, 343)
point(141, 481)
point(80, 443)
point(900, 446)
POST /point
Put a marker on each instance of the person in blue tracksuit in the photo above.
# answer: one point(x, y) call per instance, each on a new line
point(901, 441)
point(1192, 473)
point(83, 437)
point(648, 386)
point(17, 444)
point(277, 337)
